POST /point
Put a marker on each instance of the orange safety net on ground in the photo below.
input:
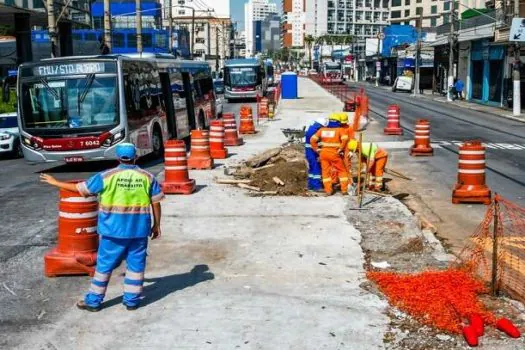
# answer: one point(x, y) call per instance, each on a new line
point(441, 299)
point(510, 247)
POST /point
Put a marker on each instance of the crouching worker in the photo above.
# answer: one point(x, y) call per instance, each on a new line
point(377, 158)
point(333, 143)
point(126, 194)
point(314, 167)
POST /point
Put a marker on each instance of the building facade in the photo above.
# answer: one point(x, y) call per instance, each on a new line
point(360, 18)
point(123, 14)
point(267, 35)
point(255, 10)
point(293, 28)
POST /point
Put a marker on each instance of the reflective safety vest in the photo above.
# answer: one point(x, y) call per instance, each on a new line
point(331, 139)
point(370, 149)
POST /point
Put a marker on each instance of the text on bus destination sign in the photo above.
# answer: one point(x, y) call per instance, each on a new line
point(70, 68)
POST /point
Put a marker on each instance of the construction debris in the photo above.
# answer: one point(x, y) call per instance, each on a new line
point(232, 181)
point(278, 181)
point(248, 187)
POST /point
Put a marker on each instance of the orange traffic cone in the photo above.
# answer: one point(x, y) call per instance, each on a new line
point(471, 187)
point(76, 250)
point(217, 150)
point(200, 157)
point(231, 136)
point(421, 145)
point(263, 108)
point(246, 126)
point(176, 177)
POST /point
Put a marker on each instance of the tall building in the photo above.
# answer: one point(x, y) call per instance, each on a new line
point(267, 34)
point(255, 10)
point(212, 26)
point(433, 13)
point(360, 18)
point(294, 17)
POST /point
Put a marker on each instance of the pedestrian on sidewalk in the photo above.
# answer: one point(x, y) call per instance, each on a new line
point(333, 143)
point(126, 194)
point(377, 158)
point(459, 85)
point(314, 166)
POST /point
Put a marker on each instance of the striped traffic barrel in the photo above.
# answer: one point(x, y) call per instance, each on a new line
point(77, 243)
point(200, 157)
point(231, 136)
point(217, 149)
point(246, 125)
point(176, 177)
point(421, 145)
point(393, 124)
point(471, 187)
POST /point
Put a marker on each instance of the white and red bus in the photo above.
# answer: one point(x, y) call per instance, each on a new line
point(332, 73)
point(75, 109)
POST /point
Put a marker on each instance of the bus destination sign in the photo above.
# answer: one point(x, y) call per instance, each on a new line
point(69, 68)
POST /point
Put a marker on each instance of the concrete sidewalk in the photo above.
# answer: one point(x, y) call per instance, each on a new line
point(233, 271)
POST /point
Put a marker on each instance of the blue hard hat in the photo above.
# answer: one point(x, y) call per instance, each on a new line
point(126, 151)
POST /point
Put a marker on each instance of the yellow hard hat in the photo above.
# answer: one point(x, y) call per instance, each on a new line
point(335, 116)
point(343, 118)
point(352, 145)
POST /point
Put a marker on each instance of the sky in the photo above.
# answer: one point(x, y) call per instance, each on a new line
point(237, 11)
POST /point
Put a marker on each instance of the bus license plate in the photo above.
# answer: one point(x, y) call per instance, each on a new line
point(74, 159)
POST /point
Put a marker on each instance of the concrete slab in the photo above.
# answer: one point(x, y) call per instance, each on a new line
point(233, 271)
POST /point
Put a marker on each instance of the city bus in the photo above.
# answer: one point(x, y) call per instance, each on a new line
point(244, 78)
point(269, 72)
point(75, 109)
point(332, 73)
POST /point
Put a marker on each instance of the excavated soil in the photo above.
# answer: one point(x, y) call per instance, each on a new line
point(293, 174)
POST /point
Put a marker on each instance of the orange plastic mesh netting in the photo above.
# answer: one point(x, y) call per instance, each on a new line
point(441, 299)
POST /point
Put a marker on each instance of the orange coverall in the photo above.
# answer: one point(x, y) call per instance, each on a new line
point(346, 158)
point(379, 157)
point(333, 143)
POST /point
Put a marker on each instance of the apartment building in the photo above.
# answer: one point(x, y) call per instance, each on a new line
point(293, 27)
point(360, 18)
point(255, 10)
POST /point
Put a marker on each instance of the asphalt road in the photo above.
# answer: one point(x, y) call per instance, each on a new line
point(450, 125)
point(28, 229)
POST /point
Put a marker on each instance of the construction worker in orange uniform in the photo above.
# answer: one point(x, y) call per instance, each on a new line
point(351, 135)
point(376, 164)
point(333, 143)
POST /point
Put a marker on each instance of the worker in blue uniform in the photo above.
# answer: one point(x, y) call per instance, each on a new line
point(127, 197)
point(314, 167)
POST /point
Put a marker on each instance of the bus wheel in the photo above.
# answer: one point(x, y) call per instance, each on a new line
point(157, 143)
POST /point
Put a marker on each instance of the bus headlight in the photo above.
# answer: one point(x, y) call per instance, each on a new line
point(32, 142)
point(110, 141)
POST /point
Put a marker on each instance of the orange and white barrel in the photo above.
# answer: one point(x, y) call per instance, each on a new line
point(231, 136)
point(200, 157)
point(77, 244)
point(176, 177)
point(217, 149)
point(246, 125)
point(471, 187)
point(393, 123)
point(422, 145)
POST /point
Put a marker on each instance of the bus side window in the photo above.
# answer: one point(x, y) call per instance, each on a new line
point(131, 92)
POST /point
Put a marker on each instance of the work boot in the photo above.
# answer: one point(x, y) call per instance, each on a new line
point(131, 307)
point(83, 306)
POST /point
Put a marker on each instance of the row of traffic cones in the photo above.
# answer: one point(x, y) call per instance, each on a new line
point(471, 186)
point(206, 146)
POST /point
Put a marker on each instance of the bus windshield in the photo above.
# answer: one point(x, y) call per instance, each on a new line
point(73, 103)
point(241, 76)
point(333, 67)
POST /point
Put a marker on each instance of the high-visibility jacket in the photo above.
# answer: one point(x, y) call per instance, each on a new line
point(372, 150)
point(125, 196)
point(332, 139)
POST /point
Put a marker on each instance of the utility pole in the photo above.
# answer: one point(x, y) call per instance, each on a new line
point(516, 75)
point(217, 48)
point(418, 54)
point(451, 53)
point(192, 31)
point(139, 25)
point(170, 26)
point(378, 61)
point(52, 27)
point(107, 25)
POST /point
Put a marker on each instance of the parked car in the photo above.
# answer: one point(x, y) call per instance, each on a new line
point(403, 83)
point(9, 135)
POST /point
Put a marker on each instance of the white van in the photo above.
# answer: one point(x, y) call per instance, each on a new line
point(403, 83)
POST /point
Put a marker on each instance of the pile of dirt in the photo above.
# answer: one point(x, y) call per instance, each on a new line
point(277, 171)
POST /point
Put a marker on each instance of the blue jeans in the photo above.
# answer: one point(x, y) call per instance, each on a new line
point(314, 170)
point(111, 252)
